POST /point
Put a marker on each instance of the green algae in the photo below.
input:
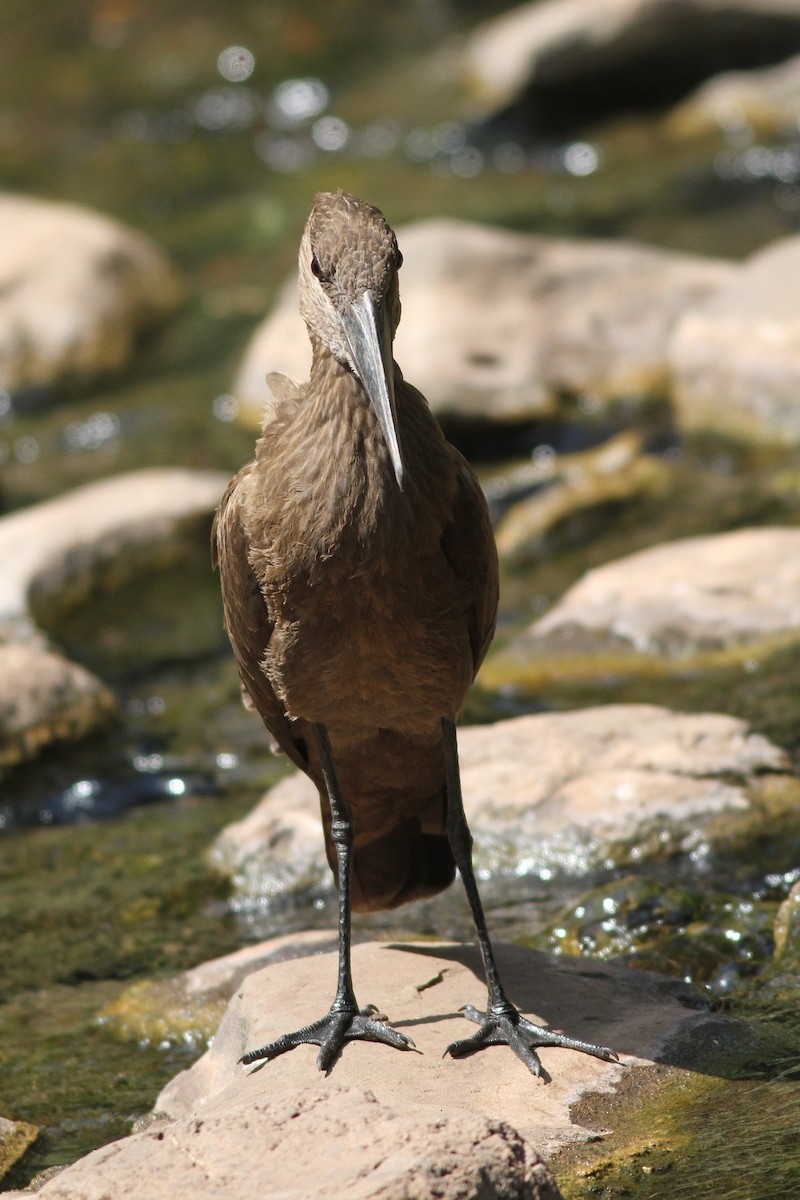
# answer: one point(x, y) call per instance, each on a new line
point(683, 1135)
point(15, 1138)
point(159, 1011)
point(83, 910)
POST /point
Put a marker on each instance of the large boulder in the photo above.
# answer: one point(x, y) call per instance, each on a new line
point(76, 290)
point(497, 326)
point(386, 1125)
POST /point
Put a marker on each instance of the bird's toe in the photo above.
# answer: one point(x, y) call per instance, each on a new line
point(511, 1029)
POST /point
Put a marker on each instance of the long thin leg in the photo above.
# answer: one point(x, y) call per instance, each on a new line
point(344, 1022)
point(501, 1023)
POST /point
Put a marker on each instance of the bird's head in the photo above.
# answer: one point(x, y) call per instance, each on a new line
point(349, 297)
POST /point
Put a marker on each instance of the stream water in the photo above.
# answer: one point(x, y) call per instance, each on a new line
point(126, 107)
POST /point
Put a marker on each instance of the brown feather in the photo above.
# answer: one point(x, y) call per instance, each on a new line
point(349, 602)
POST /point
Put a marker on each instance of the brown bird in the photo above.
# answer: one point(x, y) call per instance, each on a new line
point(359, 581)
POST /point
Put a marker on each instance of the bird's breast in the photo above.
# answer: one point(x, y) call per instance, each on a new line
point(378, 645)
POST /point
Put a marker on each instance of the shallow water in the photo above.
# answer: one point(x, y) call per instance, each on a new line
point(102, 875)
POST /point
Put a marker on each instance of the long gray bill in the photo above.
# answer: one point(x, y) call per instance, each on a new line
point(369, 338)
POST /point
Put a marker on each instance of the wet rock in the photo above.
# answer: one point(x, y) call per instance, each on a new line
point(421, 986)
point(548, 67)
point(543, 794)
point(766, 101)
point(189, 1007)
point(15, 1138)
point(54, 556)
point(45, 698)
point(572, 493)
point(499, 326)
point(787, 924)
point(311, 1143)
point(694, 599)
point(779, 984)
point(701, 935)
point(736, 359)
point(76, 290)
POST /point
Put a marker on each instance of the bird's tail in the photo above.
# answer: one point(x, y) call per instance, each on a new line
point(405, 858)
point(405, 864)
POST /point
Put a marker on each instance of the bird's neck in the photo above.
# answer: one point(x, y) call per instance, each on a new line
point(340, 414)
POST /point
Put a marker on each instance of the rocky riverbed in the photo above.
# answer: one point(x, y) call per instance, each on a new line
point(604, 317)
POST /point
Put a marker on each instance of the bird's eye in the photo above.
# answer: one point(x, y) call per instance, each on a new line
point(316, 268)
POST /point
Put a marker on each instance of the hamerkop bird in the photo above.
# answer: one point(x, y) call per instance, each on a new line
point(359, 581)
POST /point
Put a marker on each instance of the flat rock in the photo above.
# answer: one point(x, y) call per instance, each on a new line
point(54, 555)
point(498, 326)
point(308, 1144)
point(735, 359)
point(566, 62)
point(735, 592)
point(421, 987)
point(45, 698)
point(76, 290)
point(543, 793)
point(766, 100)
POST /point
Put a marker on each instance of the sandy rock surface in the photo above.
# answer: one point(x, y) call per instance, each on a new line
point(421, 987)
point(76, 289)
point(496, 325)
point(311, 1144)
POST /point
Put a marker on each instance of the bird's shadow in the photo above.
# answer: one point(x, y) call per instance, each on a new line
point(570, 993)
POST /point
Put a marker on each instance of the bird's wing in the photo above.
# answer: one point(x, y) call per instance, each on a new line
point(247, 621)
point(469, 547)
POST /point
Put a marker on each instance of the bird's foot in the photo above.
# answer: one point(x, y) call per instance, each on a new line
point(340, 1025)
point(508, 1028)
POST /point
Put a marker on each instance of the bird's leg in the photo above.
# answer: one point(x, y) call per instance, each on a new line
point(501, 1023)
point(344, 1022)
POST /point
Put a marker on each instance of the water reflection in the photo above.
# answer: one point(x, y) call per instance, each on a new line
point(236, 64)
point(297, 100)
